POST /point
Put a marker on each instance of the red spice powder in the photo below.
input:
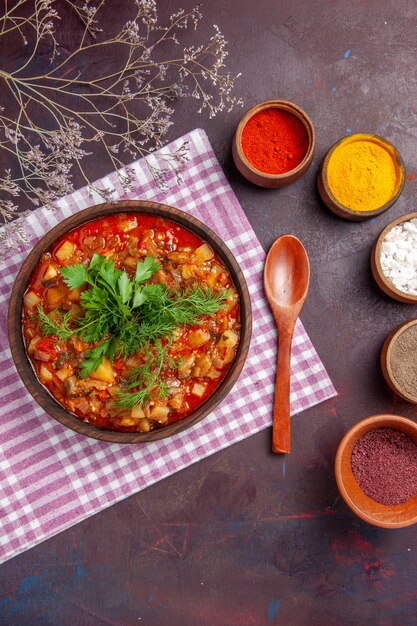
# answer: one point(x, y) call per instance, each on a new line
point(384, 463)
point(274, 141)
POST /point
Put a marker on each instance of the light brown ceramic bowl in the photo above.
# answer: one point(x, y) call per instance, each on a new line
point(340, 209)
point(395, 516)
point(382, 281)
point(25, 369)
point(386, 361)
point(257, 177)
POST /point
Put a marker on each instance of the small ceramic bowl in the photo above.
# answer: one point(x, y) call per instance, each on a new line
point(262, 179)
point(386, 361)
point(394, 516)
point(383, 282)
point(340, 209)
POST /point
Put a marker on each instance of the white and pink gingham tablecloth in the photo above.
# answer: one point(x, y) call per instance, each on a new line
point(51, 477)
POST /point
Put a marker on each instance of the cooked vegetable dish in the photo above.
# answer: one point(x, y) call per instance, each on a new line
point(131, 321)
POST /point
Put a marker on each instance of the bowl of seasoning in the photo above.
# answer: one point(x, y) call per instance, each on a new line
point(398, 360)
point(376, 470)
point(394, 259)
point(361, 176)
point(274, 144)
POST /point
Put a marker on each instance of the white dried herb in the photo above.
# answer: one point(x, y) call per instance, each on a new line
point(126, 112)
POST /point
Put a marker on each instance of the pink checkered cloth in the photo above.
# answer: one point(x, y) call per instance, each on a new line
point(51, 477)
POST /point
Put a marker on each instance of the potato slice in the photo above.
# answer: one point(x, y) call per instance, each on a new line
point(197, 338)
point(202, 254)
point(228, 340)
point(231, 300)
point(130, 262)
point(31, 299)
point(159, 414)
point(218, 362)
point(74, 294)
point(45, 375)
point(127, 421)
point(213, 374)
point(65, 251)
point(50, 272)
point(64, 373)
point(203, 362)
point(227, 345)
point(184, 369)
point(54, 296)
point(144, 425)
point(178, 257)
point(214, 273)
point(32, 344)
point(188, 271)
point(198, 390)
point(137, 412)
point(104, 371)
point(176, 401)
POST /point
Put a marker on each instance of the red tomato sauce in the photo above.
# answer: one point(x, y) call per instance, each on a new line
point(198, 356)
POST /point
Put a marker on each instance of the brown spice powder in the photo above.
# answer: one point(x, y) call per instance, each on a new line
point(403, 360)
point(384, 464)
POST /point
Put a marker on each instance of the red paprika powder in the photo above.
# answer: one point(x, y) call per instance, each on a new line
point(274, 141)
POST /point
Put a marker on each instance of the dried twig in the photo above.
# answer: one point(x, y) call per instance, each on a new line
point(127, 111)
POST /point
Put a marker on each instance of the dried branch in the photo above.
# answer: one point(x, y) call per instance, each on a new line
point(126, 112)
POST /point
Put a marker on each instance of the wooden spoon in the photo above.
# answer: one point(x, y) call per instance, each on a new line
point(286, 279)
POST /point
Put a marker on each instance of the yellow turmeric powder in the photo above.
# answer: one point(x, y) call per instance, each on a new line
point(362, 173)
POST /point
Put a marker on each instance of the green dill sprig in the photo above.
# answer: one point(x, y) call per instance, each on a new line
point(163, 310)
point(60, 326)
point(145, 378)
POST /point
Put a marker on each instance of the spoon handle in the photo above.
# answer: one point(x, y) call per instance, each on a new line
point(281, 430)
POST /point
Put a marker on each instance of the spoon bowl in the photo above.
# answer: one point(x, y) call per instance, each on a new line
point(287, 272)
point(286, 280)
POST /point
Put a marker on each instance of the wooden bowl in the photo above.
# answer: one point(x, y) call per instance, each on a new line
point(273, 181)
point(24, 367)
point(386, 354)
point(383, 282)
point(394, 516)
point(340, 209)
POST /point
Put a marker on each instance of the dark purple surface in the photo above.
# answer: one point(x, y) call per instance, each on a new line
point(247, 538)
